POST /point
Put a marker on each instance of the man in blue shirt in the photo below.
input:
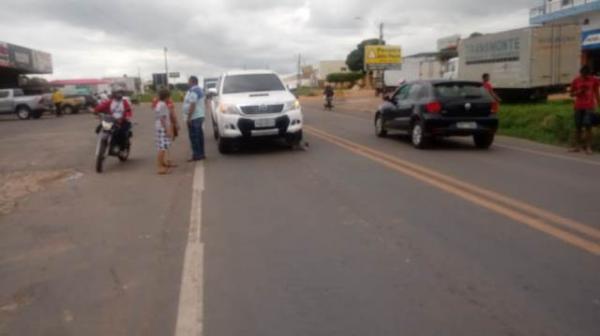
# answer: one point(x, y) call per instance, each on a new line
point(193, 114)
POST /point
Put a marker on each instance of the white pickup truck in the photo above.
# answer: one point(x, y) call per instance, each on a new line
point(25, 107)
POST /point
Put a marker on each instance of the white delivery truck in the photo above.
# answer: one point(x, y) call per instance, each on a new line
point(421, 66)
point(524, 64)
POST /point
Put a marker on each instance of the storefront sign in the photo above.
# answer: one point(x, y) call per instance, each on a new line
point(590, 39)
point(483, 50)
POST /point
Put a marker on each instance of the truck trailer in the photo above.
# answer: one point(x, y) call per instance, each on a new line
point(417, 67)
point(524, 64)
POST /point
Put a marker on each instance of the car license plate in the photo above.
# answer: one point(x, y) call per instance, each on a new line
point(263, 123)
point(466, 125)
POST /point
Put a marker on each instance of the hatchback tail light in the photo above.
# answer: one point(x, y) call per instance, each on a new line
point(495, 107)
point(434, 107)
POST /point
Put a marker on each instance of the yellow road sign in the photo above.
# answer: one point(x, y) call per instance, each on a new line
point(382, 55)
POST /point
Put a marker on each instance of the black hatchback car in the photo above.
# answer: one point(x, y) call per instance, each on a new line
point(429, 109)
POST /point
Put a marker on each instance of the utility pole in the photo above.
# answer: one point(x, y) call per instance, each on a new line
point(380, 73)
point(166, 69)
point(299, 76)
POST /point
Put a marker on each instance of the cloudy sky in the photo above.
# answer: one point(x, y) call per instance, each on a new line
point(95, 38)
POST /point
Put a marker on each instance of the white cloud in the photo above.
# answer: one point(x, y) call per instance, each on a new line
point(95, 38)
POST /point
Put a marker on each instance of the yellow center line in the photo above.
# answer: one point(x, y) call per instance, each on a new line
point(529, 215)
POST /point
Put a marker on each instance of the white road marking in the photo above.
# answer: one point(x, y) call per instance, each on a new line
point(190, 310)
point(496, 144)
point(549, 154)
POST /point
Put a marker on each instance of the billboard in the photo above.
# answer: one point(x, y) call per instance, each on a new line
point(24, 59)
point(42, 62)
point(383, 57)
point(4, 55)
point(159, 80)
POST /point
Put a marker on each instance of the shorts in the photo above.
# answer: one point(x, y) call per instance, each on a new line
point(163, 142)
point(583, 118)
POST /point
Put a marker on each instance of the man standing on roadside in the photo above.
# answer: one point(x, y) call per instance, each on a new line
point(586, 91)
point(193, 115)
point(57, 99)
point(487, 85)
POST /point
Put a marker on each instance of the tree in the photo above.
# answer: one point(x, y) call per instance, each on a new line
point(356, 58)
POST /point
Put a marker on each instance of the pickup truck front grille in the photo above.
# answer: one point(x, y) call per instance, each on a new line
point(262, 109)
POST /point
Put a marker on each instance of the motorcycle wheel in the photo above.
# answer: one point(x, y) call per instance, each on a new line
point(124, 154)
point(101, 155)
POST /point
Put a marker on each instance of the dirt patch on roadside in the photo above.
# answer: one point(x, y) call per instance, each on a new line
point(18, 185)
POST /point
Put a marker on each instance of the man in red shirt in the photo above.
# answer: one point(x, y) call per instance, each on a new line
point(586, 91)
point(119, 108)
point(487, 85)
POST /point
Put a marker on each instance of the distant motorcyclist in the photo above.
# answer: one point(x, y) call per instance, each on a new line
point(328, 93)
point(120, 109)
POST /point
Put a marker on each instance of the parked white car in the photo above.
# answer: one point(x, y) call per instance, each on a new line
point(25, 107)
point(254, 104)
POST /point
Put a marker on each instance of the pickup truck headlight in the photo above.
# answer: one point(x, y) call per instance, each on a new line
point(293, 105)
point(229, 109)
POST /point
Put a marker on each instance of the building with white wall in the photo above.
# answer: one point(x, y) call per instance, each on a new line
point(586, 13)
point(326, 68)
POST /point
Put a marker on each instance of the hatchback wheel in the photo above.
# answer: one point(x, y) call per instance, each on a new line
point(418, 137)
point(483, 141)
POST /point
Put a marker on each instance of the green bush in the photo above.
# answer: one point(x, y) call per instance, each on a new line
point(550, 122)
point(344, 77)
point(305, 91)
point(176, 96)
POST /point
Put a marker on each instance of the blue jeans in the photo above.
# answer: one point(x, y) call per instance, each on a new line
point(196, 138)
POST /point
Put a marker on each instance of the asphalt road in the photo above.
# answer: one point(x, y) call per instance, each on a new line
point(354, 235)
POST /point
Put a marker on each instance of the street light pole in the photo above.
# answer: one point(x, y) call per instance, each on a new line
point(166, 69)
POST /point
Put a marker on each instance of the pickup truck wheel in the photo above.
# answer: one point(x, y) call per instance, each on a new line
point(67, 109)
point(418, 137)
point(294, 140)
point(225, 146)
point(215, 131)
point(23, 112)
point(483, 141)
point(380, 130)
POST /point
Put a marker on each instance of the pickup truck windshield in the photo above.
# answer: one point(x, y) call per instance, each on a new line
point(252, 83)
point(460, 90)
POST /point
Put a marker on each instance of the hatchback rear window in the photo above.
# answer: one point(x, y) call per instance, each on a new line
point(252, 83)
point(460, 90)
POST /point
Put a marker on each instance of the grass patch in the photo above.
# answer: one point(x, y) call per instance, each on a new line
point(550, 122)
point(176, 96)
point(305, 91)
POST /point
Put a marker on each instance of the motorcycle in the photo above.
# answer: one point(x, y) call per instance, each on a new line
point(328, 103)
point(106, 143)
